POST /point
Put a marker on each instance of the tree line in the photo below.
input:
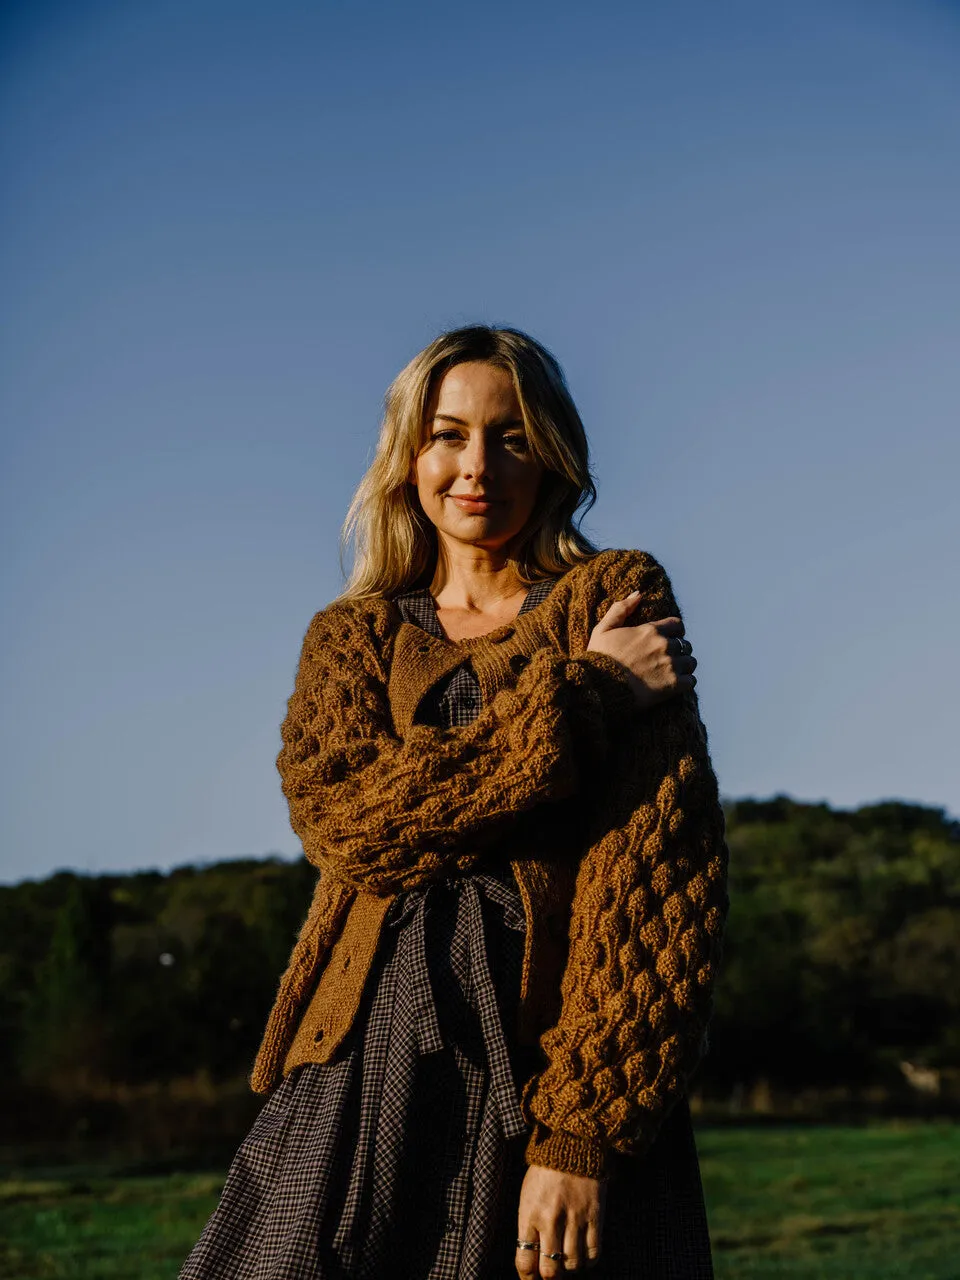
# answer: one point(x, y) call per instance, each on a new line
point(840, 966)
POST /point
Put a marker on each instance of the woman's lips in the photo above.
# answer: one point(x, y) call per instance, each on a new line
point(473, 504)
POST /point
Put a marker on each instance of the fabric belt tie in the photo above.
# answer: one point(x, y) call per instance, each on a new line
point(429, 1038)
point(414, 907)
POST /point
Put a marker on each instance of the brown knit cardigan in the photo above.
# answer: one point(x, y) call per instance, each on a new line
point(609, 816)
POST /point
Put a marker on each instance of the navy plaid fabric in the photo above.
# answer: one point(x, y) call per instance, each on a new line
point(404, 1154)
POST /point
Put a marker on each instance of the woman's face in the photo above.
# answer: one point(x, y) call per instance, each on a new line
point(476, 444)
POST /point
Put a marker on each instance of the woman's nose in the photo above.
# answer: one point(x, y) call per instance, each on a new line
point(475, 461)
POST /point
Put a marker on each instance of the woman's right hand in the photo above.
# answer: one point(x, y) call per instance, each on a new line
point(659, 662)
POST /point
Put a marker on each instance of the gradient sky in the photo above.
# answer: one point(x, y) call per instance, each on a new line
point(226, 226)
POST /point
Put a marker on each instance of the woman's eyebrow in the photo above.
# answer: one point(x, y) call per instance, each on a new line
point(504, 422)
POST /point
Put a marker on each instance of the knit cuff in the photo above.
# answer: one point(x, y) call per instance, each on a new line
point(565, 1152)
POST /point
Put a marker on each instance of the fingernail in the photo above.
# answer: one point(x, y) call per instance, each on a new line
point(632, 595)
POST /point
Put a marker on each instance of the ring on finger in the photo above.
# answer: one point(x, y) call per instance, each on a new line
point(554, 1257)
point(529, 1244)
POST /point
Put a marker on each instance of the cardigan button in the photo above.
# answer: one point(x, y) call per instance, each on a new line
point(518, 661)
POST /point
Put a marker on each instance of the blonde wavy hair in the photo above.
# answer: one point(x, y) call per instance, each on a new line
point(395, 542)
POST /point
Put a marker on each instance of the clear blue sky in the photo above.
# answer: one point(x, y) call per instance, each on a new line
point(227, 225)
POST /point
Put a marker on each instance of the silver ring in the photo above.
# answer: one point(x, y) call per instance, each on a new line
point(554, 1257)
point(528, 1244)
point(685, 646)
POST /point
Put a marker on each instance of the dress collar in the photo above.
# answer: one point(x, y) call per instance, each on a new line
point(420, 608)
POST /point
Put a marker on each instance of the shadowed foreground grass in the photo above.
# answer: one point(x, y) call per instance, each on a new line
point(102, 1228)
point(812, 1203)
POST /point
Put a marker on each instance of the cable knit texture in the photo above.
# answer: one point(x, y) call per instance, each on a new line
point(609, 815)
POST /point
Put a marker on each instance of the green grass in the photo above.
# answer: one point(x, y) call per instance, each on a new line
point(100, 1228)
point(833, 1203)
point(805, 1203)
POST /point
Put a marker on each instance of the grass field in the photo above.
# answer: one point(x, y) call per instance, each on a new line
point(810, 1203)
point(832, 1203)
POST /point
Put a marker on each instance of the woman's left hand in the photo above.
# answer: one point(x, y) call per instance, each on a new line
point(564, 1214)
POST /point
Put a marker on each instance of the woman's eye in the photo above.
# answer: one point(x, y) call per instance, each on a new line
point(513, 441)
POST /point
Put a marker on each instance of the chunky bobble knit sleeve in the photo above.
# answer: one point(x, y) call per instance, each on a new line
point(645, 937)
point(386, 814)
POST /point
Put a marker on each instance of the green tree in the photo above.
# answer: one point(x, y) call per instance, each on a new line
point(64, 1040)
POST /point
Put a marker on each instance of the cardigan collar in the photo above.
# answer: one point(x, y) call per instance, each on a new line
point(421, 657)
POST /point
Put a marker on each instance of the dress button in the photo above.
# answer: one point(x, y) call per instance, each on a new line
point(518, 662)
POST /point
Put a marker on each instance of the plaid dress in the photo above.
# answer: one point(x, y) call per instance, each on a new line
point(403, 1155)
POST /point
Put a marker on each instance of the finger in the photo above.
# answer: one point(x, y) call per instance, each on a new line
point(551, 1251)
point(669, 626)
point(527, 1260)
point(685, 684)
point(574, 1250)
point(618, 611)
point(684, 666)
point(593, 1244)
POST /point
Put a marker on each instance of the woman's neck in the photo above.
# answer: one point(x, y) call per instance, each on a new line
point(472, 596)
point(476, 586)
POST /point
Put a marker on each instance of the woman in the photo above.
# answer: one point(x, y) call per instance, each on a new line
point(478, 1054)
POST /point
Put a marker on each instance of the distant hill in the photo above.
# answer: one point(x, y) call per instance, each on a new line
point(841, 961)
